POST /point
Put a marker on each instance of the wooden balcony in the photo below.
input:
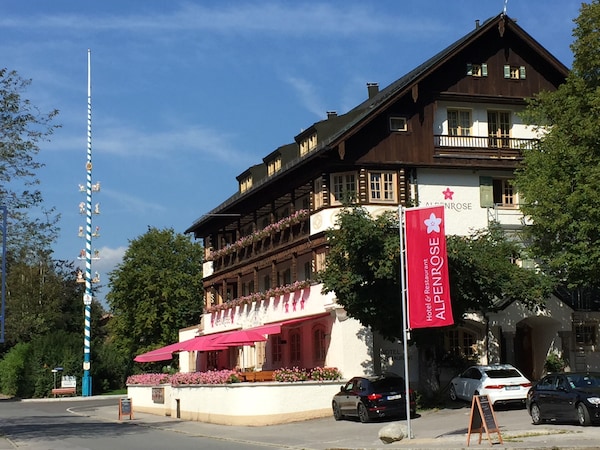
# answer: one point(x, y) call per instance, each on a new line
point(487, 147)
point(258, 248)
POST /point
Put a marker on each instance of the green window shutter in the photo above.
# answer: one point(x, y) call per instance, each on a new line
point(506, 71)
point(484, 70)
point(469, 69)
point(522, 74)
point(486, 192)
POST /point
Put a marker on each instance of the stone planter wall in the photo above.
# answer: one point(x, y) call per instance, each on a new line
point(247, 404)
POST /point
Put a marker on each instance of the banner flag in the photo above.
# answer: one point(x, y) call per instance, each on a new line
point(427, 280)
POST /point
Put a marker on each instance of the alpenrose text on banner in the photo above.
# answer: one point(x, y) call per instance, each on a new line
point(427, 278)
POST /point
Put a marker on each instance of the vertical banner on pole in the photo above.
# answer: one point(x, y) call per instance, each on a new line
point(428, 285)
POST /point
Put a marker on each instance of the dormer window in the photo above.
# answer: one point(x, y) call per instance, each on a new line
point(308, 144)
point(246, 183)
point(274, 166)
point(477, 70)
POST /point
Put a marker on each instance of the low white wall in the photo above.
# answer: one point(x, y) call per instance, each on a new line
point(248, 404)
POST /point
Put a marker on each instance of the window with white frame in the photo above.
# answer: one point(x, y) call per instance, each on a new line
point(344, 187)
point(459, 122)
point(382, 187)
point(398, 124)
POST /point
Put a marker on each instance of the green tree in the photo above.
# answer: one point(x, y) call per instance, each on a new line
point(42, 297)
point(558, 181)
point(155, 291)
point(363, 270)
point(22, 129)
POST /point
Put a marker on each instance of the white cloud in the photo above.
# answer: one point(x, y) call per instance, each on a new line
point(340, 20)
point(307, 95)
point(109, 259)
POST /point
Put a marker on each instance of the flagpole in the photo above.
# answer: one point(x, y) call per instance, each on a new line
point(405, 332)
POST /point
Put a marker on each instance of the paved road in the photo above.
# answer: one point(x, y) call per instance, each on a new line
point(92, 423)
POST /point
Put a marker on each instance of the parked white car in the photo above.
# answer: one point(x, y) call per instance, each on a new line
point(502, 383)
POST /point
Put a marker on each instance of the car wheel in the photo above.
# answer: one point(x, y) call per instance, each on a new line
point(363, 414)
point(583, 415)
point(536, 415)
point(453, 395)
point(337, 412)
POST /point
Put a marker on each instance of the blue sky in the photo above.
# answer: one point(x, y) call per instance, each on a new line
point(187, 95)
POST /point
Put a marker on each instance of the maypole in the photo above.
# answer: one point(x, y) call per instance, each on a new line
point(86, 385)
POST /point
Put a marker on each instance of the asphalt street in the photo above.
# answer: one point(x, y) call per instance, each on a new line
point(435, 429)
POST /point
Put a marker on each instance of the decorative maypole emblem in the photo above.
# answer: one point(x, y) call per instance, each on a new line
point(86, 253)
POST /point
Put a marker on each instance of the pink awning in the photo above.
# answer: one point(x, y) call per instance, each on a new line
point(159, 354)
point(240, 337)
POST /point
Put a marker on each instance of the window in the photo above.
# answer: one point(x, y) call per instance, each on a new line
point(499, 129)
point(295, 346)
point(459, 122)
point(382, 186)
point(585, 334)
point(320, 348)
point(308, 144)
point(246, 184)
point(497, 192)
point(344, 187)
point(286, 277)
point(212, 360)
point(320, 260)
point(307, 270)
point(318, 193)
point(477, 70)
point(267, 282)
point(398, 124)
point(276, 349)
point(515, 72)
point(461, 343)
point(504, 193)
point(274, 166)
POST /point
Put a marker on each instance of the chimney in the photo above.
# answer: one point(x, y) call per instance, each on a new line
point(331, 114)
point(477, 24)
point(373, 89)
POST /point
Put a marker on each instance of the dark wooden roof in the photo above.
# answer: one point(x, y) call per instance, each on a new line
point(336, 129)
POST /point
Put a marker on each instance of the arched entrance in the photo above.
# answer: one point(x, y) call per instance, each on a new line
point(534, 337)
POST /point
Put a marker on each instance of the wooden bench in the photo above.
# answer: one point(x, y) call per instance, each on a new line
point(261, 375)
point(63, 391)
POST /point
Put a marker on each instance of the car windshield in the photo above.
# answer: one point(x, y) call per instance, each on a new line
point(387, 384)
point(502, 373)
point(582, 381)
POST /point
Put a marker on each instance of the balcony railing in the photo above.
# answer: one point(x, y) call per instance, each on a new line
point(490, 146)
point(259, 235)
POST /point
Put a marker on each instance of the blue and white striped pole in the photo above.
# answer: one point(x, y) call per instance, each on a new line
point(86, 385)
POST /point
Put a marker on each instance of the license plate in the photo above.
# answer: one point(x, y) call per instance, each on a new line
point(512, 388)
point(394, 397)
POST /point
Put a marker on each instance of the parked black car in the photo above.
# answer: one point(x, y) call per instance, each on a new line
point(373, 397)
point(570, 396)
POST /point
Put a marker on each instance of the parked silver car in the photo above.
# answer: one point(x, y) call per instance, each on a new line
point(502, 383)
